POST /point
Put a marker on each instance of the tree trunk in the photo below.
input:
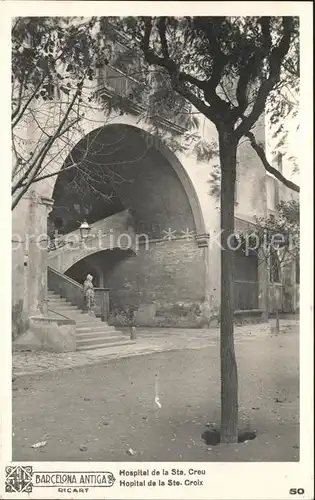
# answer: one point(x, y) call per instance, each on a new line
point(229, 382)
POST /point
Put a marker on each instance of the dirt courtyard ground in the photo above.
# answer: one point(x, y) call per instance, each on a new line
point(101, 411)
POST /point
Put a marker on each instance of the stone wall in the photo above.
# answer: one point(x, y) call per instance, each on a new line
point(19, 269)
point(165, 266)
point(48, 334)
point(165, 283)
point(169, 282)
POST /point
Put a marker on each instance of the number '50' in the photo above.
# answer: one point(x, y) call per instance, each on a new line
point(296, 491)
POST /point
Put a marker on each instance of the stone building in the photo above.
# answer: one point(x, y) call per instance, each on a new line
point(154, 238)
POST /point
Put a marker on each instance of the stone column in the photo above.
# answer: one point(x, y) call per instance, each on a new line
point(19, 267)
point(36, 286)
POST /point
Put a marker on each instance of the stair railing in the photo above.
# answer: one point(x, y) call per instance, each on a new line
point(102, 303)
point(72, 291)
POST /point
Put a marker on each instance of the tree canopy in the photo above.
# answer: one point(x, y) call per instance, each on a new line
point(232, 66)
point(65, 68)
point(171, 65)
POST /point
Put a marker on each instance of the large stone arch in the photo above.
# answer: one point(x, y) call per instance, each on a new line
point(167, 154)
point(94, 264)
point(186, 183)
point(167, 280)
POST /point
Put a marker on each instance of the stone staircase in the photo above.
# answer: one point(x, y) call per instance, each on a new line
point(91, 332)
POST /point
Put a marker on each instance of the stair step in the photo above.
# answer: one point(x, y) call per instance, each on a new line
point(92, 332)
point(85, 321)
point(74, 313)
point(62, 303)
point(58, 301)
point(65, 305)
point(101, 334)
point(102, 346)
point(94, 327)
point(79, 318)
point(56, 298)
point(72, 310)
point(58, 304)
point(104, 339)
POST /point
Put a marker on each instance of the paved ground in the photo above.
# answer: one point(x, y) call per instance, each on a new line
point(99, 410)
point(148, 341)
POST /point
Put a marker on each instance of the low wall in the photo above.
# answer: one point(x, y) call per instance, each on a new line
point(48, 334)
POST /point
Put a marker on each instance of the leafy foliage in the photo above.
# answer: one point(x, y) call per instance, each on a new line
point(220, 61)
point(65, 68)
point(226, 67)
point(276, 238)
point(229, 68)
point(285, 222)
point(54, 64)
point(282, 107)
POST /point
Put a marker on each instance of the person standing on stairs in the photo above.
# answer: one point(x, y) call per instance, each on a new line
point(89, 294)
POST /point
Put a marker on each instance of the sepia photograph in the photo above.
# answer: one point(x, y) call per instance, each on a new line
point(155, 249)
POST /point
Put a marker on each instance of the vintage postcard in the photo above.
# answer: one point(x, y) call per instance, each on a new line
point(157, 298)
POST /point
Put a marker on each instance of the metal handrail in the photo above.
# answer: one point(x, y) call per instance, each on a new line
point(65, 277)
point(76, 296)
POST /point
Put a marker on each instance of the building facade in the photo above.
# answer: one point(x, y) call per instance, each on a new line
point(155, 226)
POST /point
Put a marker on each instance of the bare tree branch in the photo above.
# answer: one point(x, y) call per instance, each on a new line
point(19, 99)
point(162, 31)
point(276, 59)
point(261, 153)
point(177, 77)
point(26, 105)
point(220, 59)
point(38, 160)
